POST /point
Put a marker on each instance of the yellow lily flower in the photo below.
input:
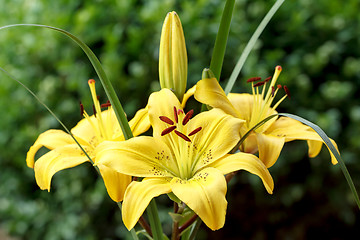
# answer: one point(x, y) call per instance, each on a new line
point(269, 138)
point(185, 156)
point(89, 132)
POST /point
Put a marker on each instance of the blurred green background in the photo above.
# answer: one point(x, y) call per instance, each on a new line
point(316, 42)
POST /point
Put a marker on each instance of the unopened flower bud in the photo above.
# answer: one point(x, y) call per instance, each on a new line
point(173, 56)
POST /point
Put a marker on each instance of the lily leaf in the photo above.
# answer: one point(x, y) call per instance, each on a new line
point(324, 137)
point(110, 92)
point(332, 148)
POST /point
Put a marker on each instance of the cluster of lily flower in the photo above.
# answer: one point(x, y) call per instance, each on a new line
point(187, 157)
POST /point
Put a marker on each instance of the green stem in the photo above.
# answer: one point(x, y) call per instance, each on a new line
point(221, 39)
point(132, 231)
point(195, 228)
point(154, 220)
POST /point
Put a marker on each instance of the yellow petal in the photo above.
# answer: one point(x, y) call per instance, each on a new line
point(248, 162)
point(209, 91)
point(187, 95)
point(162, 103)
point(205, 195)
point(141, 122)
point(218, 136)
point(291, 129)
point(50, 139)
point(138, 196)
point(139, 156)
point(243, 103)
point(269, 148)
point(314, 148)
point(250, 144)
point(86, 131)
point(115, 183)
point(58, 159)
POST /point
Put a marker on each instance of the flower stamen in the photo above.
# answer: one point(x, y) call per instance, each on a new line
point(196, 130)
point(267, 79)
point(183, 136)
point(259, 84)
point(253, 79)
point(168, 130)
point(94, 110)
point(176, 114)
point(81, 109)
point(187, 117)
point(105, 105)
point(166, 120)
point(287, 91)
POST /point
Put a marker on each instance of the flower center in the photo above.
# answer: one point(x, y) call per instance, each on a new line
point(180, 139)
point(179, 113)
point(262, 101)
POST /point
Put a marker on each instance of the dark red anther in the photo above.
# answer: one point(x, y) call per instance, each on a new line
point(267, 79)
point(98, 97)
point(94, 110)
point(259, 84)
point(187, 117)
point(183, 136)
point(253, 79)
point(279, 86)
point(272, 91)
point(180, 111)
point(196, 130)
point(81, 109)
point(166, 120)
point(168, 130)
point(175, 114)
point(287, 91)
point(105, 105)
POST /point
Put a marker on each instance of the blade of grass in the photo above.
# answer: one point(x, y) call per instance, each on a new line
point(221, 39)
point(332, 148)
point(110, 92)
point(324, 137)
point(133, 234)
point(154, 220)
point(49, 110)
point(250, 45)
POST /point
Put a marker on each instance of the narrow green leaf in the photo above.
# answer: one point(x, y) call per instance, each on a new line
point(332, 148)
point(49, 110)
point(221, 39)
point(154, 220)
point(144, 233)
point(324, 137)
point(110, 92)
point(250, 45)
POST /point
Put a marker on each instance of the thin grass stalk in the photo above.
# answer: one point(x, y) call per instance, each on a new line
point(154, 220)
point(217, 58)
point(250, 45)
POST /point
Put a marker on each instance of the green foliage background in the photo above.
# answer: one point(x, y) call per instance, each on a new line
point(316, 42)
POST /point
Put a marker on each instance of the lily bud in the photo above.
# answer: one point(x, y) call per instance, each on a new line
point(173, 56)
point(207, 73)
